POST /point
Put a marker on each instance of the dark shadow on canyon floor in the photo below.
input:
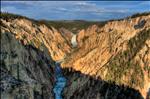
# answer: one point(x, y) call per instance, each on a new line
point(81, 86)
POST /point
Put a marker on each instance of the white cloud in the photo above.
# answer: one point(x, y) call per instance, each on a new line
point(67, 9)
point(145, 3)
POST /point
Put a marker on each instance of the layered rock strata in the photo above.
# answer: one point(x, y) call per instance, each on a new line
point(118, 52)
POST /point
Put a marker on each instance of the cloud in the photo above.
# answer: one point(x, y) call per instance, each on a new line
point(145, 3)
point(68, 6)
point(20, 2)
point(73, 9)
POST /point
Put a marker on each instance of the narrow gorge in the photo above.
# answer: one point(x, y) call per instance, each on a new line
point(60, 82)
point(109, 60)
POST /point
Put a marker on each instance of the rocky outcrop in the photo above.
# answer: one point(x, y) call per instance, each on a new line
point(26, 72)
point(66, 34)
point(117, 52)
point(37, 34)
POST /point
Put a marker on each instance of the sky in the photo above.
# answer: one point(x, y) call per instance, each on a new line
point(75, 10)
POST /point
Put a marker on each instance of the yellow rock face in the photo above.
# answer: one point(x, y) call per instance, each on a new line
point(118, 52)
point(38, 35)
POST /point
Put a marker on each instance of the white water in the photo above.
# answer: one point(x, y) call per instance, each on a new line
point(74, 40)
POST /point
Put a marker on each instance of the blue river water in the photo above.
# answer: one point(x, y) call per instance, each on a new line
point(60, 82)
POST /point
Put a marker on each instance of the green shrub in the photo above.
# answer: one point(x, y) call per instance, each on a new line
point(40, 63)
point(119, 67)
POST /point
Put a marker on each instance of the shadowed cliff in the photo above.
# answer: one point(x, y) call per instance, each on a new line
point(24, 70)
point(80, 86)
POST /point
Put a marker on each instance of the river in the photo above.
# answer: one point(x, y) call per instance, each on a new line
point(60, 82)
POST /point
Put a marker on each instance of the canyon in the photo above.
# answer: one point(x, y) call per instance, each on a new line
point(107, 61)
